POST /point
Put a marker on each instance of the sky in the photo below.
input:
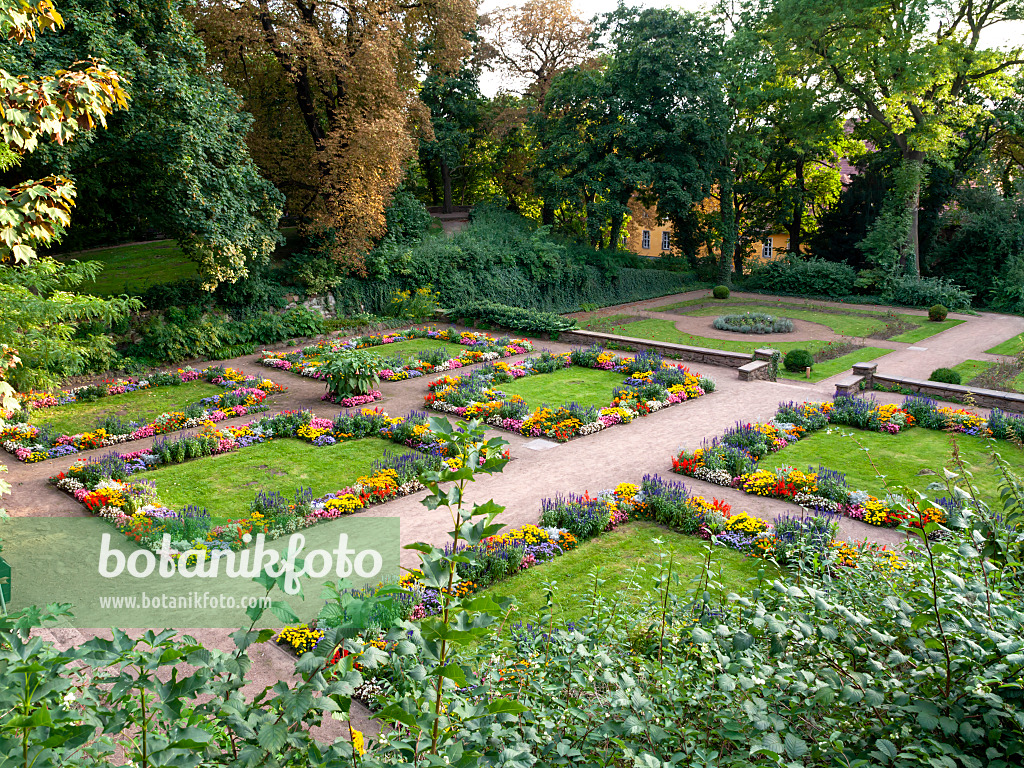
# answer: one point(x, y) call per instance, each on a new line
point(1010, 34)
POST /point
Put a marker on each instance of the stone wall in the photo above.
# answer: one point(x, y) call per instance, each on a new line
point(719, 357)
point(1011, 402)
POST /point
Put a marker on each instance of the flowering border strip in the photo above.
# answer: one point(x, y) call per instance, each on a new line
point(29, 443)
point(650, 385)
point(484, 348)
point(728, 459)
point(106, 488)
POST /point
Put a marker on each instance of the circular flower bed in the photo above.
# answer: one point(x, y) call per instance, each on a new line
point(753, 322)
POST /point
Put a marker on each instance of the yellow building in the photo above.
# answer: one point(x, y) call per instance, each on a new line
point(647, 237)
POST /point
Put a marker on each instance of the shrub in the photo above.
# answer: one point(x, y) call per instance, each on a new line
point(352, 373)
point(913, 291)
point(720, 292)
point(798, 360)
point(937, 313)
point(945, 375)
point(419, 305)
point(806, 277)
point(753, 322)
point(514, 318)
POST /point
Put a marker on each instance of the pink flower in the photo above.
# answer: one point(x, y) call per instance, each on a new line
point(81, 493)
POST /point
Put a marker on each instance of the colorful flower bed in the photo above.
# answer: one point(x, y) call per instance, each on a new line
point(731, 460)
point(111, 488)
point(567, 521)
point(481, 348)
point(651, 384)
point(243, 395)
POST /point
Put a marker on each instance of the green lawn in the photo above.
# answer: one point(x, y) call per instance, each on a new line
point(853, 323)
point(900, 457)
point(1010, 347)
point(415, 348)
point(837, 365)
point(142, 406)
point(226, 484)
point(968, 369)
point(665, 330)
point(626, 560)
point(138, 266)
point(586, 386)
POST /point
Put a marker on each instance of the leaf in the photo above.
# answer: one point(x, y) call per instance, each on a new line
point(505, 706)
point(272, 736)
point(795, 746)
point(887, 748)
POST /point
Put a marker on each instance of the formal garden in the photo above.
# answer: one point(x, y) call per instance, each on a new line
point(693, 433)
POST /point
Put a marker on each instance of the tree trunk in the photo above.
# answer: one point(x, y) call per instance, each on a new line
point(913, 258)
point(726, 217)
point(795, 227)
point(547, 214)
point(615, 236)
point(446, 181)
point(737, 250)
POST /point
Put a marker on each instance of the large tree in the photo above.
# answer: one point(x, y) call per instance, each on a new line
point(333, 86)
point(916, 67)
point(176, 162)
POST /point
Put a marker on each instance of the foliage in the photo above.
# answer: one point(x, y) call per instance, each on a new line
point(355, 372)
point(40, 316)
point(888, 246)
point(798, 360)
point(945, 375)
point(720, 292)
point(417, 305)
point(913, 291)
point(177, 161)
point(753, 322)
point(53, 105)
point(937, 313)
point(804, 277)
point(514, 318)
point(335, 100)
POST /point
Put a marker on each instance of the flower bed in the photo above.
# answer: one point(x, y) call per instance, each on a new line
point(243, 395)
point(567, 521)
point(731, 460)
point(110, 487)
point(753, 322)
point(481, 348)
point(651, 384)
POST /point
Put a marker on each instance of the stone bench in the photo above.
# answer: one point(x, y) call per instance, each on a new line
point(848, 386)
point(758, 369)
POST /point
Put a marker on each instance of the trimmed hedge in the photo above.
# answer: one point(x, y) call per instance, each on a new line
point(804, 277)
point(513, 318)
point(945, 376)
point(798, 360)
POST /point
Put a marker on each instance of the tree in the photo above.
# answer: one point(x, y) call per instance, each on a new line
point(916, 68)
point(176, 162)
point(348, 72)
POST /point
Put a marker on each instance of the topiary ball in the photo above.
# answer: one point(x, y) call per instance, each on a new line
point(937, 314)
point(945, 376)
point(798, 360)
point(720, 292)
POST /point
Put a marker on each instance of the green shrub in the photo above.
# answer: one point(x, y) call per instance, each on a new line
point(720, 292)
point(418, 305)
point(913, 291)
point(797, 360)
point(354, 372)
point(753, 322)
point(945, 375)
point(513, 318)
point(805, 277)
point(937, 313)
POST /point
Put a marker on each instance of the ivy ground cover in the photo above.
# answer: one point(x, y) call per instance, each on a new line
point(129, 409)
point(646, 383)
point(120, 487)
point(419, 351)
point(735, 459)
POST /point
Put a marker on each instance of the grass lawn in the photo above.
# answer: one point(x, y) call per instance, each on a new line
point(665, 330)
point(837, 365)
point(226, 484)
point(1009, 347)
point(137, 266)
point(415, 348)
point(626, 559)
point(968, 369)
point(853, 323)
point(585, 386)
point(899, 457)
point(142, 406)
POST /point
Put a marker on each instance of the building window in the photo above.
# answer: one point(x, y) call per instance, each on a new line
point(787, 244)
point(664, 241)
point(624, 238)
point(646, 239)
point(766, 249)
